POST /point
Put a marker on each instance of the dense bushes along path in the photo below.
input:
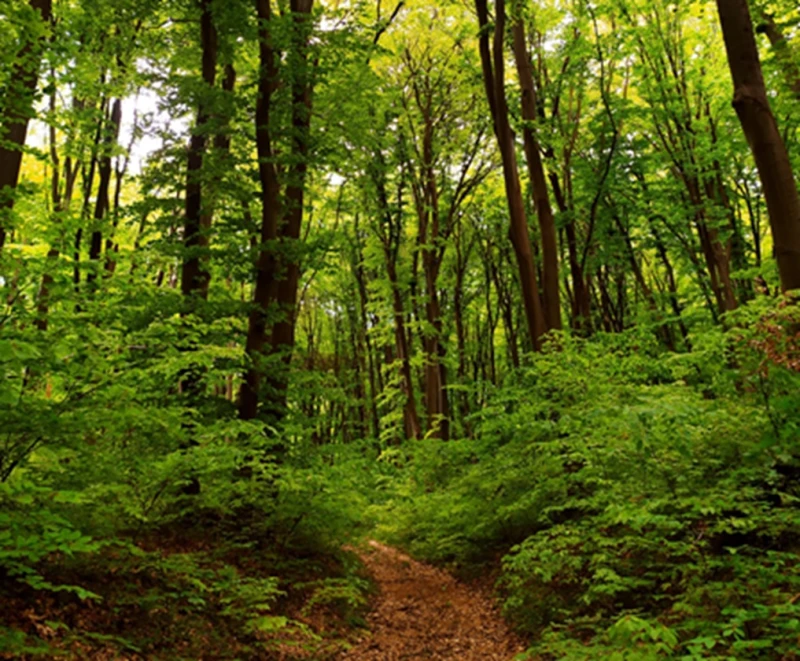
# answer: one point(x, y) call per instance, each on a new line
point(424, 613)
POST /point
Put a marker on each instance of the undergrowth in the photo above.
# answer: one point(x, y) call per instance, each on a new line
point(138, 522)
point(638, 504)
point(644, 504)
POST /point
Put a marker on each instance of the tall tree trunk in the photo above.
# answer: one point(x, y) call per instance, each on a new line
point(222, 146)
point(283, 331)
point(493, 64)
point(413, 429)
point(505, 302)
point(672, 285)
point(194, 272)
point(264, 292)
point(547, 226)
point(772, 160)
point(278, 270)
point(428, 237)
point(461, 396)
point(581, 298)
point(358, 272)
point(644, 287)
point(88, 184)
point(102, 203)
point(16, 110)
point(390, 232)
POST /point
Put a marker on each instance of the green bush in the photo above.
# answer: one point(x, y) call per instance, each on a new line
point(645, 504)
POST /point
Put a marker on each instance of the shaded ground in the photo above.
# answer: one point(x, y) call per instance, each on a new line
point(422, 612)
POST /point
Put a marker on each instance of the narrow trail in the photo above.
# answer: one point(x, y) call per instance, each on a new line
point(422, 612)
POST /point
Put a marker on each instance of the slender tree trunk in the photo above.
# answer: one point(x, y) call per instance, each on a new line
point(547, 227)
point(671, 284)
point(195, 275)
point(493, 64)
point(194, 271)
point(647, 292)
point(88, 184)
point(505, 301)
point(120, 170)
point(358, 366)
point(264, 292)
point(283, 331)
point(222, 146)
point(413, 429)
point(429, 234)
point(462, 397)
point(581, 316)
point(102, 204)
point(16, 110)
point(358, 272)
point(42, 307)
point(772, 160)
point(61, 201)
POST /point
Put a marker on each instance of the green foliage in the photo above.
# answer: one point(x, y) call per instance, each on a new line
point(99, 448)
point(640, 515)
point(30, 531)
point(348, 594)
point(636, 483)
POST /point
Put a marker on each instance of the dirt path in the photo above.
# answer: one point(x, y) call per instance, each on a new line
point(424, 613)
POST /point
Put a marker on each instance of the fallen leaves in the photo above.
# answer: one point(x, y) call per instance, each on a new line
point(423, 612)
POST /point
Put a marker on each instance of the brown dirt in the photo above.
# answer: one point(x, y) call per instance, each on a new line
point(422, 612)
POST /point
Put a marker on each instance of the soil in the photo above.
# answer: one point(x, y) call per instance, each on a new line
point(422, 612)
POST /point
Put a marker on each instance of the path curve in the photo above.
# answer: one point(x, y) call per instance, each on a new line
point(422, 612)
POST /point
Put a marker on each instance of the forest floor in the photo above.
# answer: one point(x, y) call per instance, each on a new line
point(422, 612)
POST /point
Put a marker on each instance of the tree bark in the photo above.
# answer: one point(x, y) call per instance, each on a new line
point(547, 227)
point(493, 64)
point(283, 331)
point(264, 292)
point(278, 269)
point(358, 272)
point(102, 204)
point(16, 110)
point(194, 271)
point(61, 201)
point(413, 429)
point(772, 160)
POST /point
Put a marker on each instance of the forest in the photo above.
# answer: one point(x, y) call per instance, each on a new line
point(391, 329)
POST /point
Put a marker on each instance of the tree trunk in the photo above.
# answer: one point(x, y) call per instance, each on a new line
point(581, 317)
point(88, 182)
point(222, 145)
point(194, 272)
point(61, 202)
point(772, 160)
point(358, 272)
point(547, 226)
point(102, 203)
point(413, 429)
point(283, 331)
point(16, 110)
point(264, 292)
point(494, 80)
